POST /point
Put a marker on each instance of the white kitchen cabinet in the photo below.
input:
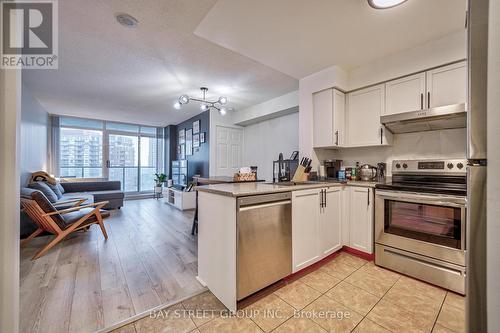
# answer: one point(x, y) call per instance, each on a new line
point(330, 220)
point(447, 85)
point(305, 228)
point(361, 219)
point(364, 108)
point(405, 94)
point(328, 118)
point(316, 225)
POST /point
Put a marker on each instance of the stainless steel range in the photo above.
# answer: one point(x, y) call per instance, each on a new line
point(420, 221)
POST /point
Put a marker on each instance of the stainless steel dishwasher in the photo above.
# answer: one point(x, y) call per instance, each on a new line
point(264, 242)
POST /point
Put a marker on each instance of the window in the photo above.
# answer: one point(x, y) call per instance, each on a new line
point(80, 153)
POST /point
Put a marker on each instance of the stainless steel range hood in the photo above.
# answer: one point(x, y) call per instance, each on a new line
point(444, 117)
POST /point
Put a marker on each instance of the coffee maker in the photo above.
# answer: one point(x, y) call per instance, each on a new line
point(381, 169)
point(332, 168)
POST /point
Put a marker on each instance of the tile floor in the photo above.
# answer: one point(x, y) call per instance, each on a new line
point(347, 294)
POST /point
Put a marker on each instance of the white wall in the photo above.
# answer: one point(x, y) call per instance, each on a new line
point(265, 140)
point(34, 131)
point(10, 113)
point(423, 145)
point(276, 107)
point(431, 54)
point(493, 181)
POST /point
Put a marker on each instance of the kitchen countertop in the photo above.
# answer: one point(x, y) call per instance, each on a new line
point(221, 180)
point(246, 189)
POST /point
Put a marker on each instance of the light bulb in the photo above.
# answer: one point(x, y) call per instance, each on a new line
point(184, 99)
point(383, 4)
point(204, 107)
point(177, 105)
point(222, 111)
point(222, 100)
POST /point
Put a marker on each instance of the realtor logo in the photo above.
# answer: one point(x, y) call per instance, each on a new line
point(29, 34)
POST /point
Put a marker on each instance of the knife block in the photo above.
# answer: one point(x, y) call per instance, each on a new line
point(300, 175)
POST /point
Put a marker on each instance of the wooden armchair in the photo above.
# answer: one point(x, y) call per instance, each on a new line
point(60, 222)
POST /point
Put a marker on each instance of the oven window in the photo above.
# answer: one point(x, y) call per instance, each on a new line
point(430, 223)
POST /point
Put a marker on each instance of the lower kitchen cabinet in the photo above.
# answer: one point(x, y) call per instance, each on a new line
point(316, 225)
point(360, 215)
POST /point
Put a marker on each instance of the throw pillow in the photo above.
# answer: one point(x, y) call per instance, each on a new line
point(60, 187)
point(45, 189)
point(56, 190)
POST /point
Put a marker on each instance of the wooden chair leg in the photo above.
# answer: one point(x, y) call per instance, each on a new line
point(101, 224)
point(30, 237)
point(47, 247)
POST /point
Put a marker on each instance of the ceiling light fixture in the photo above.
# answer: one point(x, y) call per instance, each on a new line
point(384, 4)
point(126, 20)
point(205, 105)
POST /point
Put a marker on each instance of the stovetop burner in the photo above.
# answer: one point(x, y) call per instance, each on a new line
point(428, 176)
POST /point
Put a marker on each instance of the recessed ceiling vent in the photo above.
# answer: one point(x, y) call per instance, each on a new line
point(126, 20)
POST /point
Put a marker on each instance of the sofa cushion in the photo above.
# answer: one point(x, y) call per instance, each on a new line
point(60, 187)
point(92, 186)
point(76, 195)
point(26, 193)
point(45, 189)
point(107, 195)
point(55, 189)
point(71, 218)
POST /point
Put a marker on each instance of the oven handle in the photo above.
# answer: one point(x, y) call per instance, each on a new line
point(452, 201)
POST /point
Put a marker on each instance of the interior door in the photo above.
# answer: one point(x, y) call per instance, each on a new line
point(229, 150)
point(331, 221)
point(405, 94)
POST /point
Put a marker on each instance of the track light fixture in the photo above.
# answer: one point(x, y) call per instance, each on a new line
point(205, 105)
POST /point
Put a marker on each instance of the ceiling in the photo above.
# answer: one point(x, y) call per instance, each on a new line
point(110, 72)
point(300, 37)
point(249, 50)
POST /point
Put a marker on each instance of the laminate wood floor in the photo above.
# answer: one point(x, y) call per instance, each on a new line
point(86, 283)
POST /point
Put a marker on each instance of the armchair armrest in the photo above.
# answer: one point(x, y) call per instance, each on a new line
point(97, 205)
point(77, 201)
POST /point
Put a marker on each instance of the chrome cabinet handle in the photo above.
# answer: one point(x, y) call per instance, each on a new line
point(337, 138)
point(381, 135)
point(368, 196)
point(421, 101)
point(428, 99)
point(325, 198)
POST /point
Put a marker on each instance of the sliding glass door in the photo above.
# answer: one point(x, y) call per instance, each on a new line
point(115, 151)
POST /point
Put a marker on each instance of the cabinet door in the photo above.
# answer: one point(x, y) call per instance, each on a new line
point(323, 135)
point(338, 118)
point(361, 219)
point(364, 108)
point(305, 228)
point(405, 94)
point(331, 221)
point(447, 85)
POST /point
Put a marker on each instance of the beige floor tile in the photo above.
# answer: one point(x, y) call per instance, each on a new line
point(204, 307)
point(455, 300)
point(299, 325)
point(353, 297)
point(195, 331)
point(320, 281)
point(423, 308)
point(441, 329)
point(230, 325)
point(130, 328)
point(452, 318)
point(375, 285)
point(269, 312)
point(372, 269)
point(368, 326)
point(331, 315)
point(297, 294)
point(173, 319)
point(395, 318)
point(350, 260)
point(338, 269)
point(421, 288)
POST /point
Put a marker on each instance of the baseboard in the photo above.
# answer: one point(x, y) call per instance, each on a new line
point(358, 253)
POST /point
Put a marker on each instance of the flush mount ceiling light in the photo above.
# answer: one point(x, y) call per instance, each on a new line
point(384, 4)
point(126, 20)
point(205, 105)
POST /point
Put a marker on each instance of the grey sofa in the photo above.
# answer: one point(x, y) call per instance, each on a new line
point(91, 191)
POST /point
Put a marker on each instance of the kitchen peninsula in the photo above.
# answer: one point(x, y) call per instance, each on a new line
point(254, 234)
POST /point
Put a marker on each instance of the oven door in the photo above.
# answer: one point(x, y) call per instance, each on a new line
point(432, 225)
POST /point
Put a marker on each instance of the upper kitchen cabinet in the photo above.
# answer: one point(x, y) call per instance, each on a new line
point(328, 118)
point(364, 108)
point(447, 85)
point(405, 94)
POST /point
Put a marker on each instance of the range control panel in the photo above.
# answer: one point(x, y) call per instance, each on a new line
point(451, 166)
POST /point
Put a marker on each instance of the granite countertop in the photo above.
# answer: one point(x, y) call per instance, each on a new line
point(246, 189)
